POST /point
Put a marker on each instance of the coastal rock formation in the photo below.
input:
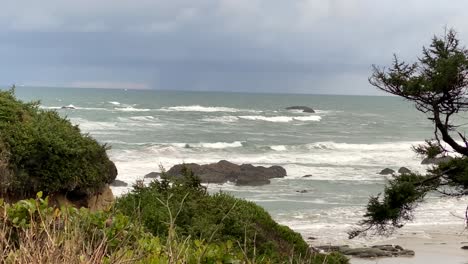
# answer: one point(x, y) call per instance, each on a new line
point(370, 252)
point(112, 172)
point(224, 171)
point(304, 109)
point(101, 200)
point(386, 171)
point(436, 161)
point(68, 107)
point(403, 170)
point(119, 183)
point(152, 175)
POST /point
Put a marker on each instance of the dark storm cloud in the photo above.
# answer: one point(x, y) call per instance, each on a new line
point(323, 46)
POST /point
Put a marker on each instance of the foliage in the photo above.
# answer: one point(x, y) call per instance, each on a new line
point(33, 232)
point(45, 152)
point(185, 204)
point(437, 84)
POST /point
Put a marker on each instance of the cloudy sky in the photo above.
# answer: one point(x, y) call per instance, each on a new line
point(288, 46)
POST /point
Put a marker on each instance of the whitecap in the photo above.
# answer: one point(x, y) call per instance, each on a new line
point(386, 146)
point(307, 118)
point(281, 119)
point(71, 106)
point(221, 119)
point(214, 145)
point(220, 145)
point(278, 147)
point(199, 108)
point(142, 118)
point(114, 102)
point(131, 109)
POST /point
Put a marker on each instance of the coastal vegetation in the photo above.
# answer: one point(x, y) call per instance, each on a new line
point(437, 84)
point(41, 151)
point(173, 220)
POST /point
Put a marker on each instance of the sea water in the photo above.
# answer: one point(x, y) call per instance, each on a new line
point(341, 147)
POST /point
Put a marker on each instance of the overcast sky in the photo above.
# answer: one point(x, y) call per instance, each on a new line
point(288, 46)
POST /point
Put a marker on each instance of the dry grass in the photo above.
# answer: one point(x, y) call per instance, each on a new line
point(57, 239)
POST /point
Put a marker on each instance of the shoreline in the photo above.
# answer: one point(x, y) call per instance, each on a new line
point(432, 244)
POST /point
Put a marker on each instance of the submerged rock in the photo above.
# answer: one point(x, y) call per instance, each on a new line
point(386, 171)
point(68, 107)
point(307, 176)
point(224, 171)
point(436, 161)
point(119, 183)
point(403, 170)
point(152, 175)
point(304, 109)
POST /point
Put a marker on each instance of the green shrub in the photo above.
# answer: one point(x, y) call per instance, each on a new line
point(33, 232)
point(45, 152)
point(216, 219)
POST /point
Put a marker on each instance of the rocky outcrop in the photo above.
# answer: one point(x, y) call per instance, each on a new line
point(224, 171)
point(112, 169)
point(304, 109)
point(436, 160)
point(386, 171)
point(101, 200)
point(403, 170)
point(370, 252)
point(68, 107)
point(152, 175)
point(119, 183)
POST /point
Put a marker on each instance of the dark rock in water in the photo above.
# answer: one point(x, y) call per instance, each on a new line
point(304, 109)
point(464, 247)
point(112, 169)
point(307, 176)
point(436, 160)
point(386, 171)
point(302, 191)
point(119, 183)
point(312, 238)
point(68, 107)
point(152, 175)
point(224, 171)
point(372, 252)
point(403, 170)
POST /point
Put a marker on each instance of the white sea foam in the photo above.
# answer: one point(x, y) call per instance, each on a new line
point(114, 102)
point(278, 148)
point(221, 119)
point(386, 146)
point(88, 126)
point(71, 106)
point(199, 108)
point(307, 118)
point(131, 109)
point(140, 118)
point(219, 145)
point(214, 145)
point(282, 119)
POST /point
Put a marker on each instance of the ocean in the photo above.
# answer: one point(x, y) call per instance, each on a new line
point(342, 146)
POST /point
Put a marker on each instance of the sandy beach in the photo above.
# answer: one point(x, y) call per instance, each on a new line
point(432, 245)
